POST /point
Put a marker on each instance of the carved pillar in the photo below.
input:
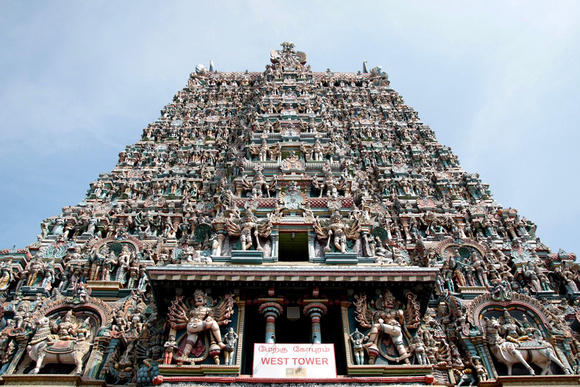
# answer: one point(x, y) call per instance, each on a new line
point(405, 224)
point(21, 343)
point(315, 309)
point(96, 359)
point(271, 309)
point(275, 243)
point(220, 237)
point(311, 250)
point(107, 352)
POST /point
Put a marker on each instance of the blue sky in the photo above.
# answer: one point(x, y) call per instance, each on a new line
point(498, 81)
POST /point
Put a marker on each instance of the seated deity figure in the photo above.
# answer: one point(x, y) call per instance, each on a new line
point(510, 328)
point(66, 329)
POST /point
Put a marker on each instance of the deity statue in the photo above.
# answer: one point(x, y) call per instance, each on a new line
point(480, 369)
point(258, 186)
point(123, 260)
point(6, 274)
point(382, 254)
point(33, 272)
point(388, 326)
point(418, 348)
point(329, 184)
point(65, 328)
point(7, 345)
point(61, 340)
point(22, 315)
point(202, 317)
point(249, 230)
point(510, 329)
point(231, 339)
point(338, 231)
point(357, 340)
point(392, 327)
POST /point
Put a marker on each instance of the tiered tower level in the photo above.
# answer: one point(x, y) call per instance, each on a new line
point(288, 206)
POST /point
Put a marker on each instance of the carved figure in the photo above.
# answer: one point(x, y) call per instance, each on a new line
point(479, 369)
point(200, 318)
point(6, 275)
point(357, 340)
point(23, 315)
point(393, 328)
point(258, 186)
point(33, 271)
point(231, 339)
point(381, 253)
point(418, 348)
point(510, 353)
point(69, 345)
point(385, 318)
point(337, 231)
point(329, 184)
point(249, 230)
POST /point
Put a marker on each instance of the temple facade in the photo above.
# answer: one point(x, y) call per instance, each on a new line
point(288, 227)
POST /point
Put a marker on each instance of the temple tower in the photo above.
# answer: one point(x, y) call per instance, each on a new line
point(296, 227)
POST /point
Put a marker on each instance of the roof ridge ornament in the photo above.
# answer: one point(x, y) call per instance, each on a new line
point(288, 56)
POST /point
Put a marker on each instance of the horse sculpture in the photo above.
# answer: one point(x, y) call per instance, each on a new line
point(46, 348)
point(536, 351)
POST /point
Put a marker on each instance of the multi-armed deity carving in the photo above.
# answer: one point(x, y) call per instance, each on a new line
point(249, 229)
point(338, 232)
point(258, 186)
point(389, 329)
point(201, 318)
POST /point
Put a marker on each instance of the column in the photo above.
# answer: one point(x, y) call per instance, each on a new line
point(315, 310)
point(270, 310)
point(220, 239)
point(275, 254)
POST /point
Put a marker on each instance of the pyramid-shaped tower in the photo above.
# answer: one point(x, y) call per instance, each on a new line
point(288, 227)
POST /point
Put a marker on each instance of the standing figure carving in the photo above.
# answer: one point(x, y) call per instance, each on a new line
point(203, 316)
point(388, 327)
point(337, 231)
point(357, 340)
point(329, 183)
point(249, 229)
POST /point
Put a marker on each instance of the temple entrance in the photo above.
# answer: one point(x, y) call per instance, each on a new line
point(293, 247)
point(293, 327)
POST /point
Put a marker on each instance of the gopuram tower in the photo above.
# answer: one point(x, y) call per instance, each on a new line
point(288, 227)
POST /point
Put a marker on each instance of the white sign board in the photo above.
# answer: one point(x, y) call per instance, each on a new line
point(294, 361)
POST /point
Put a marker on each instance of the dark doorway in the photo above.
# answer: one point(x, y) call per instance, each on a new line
point(332, 332)
point(254, 332)
point(293, 247)
point(292, 331)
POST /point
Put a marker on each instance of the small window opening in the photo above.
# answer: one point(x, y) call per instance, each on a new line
point(293, 247)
